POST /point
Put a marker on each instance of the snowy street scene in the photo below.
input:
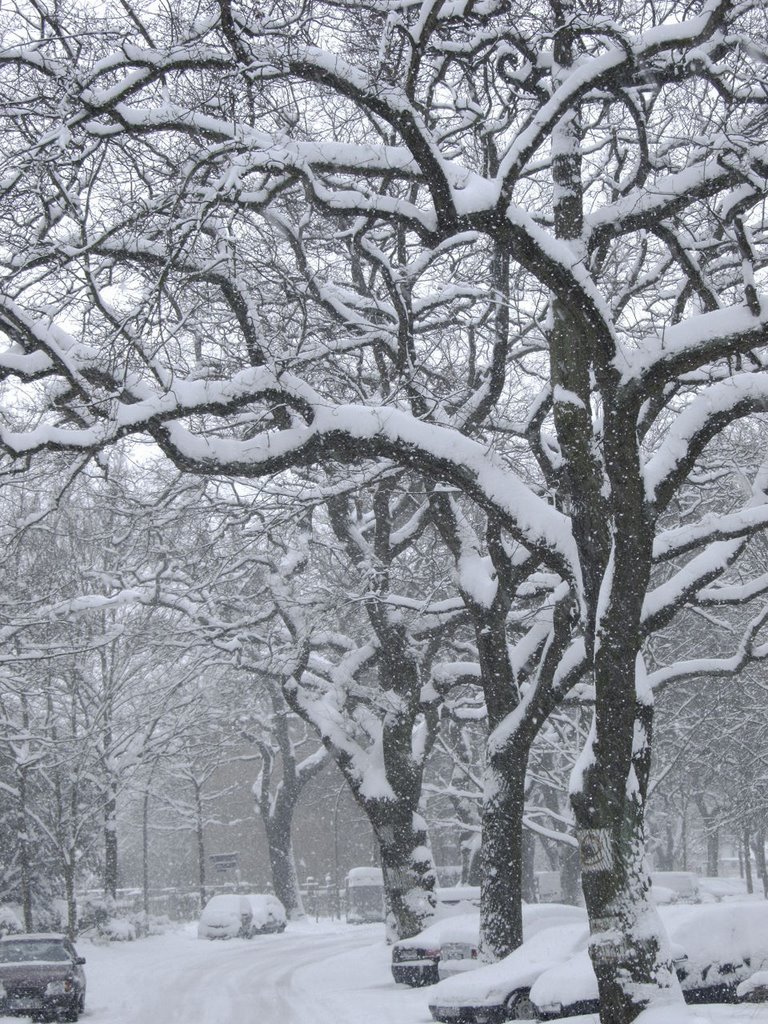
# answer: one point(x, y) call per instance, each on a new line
point(325, 973)
point(384, 511)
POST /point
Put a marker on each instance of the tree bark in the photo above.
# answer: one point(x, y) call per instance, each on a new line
point(282, 862)
point(407, 867)
point(747, 860)
point(502, 854)
point(758, 845)
point(200, 839)
point(25, 882)
point(570, 876)
point(145, 851)
point(110, 842)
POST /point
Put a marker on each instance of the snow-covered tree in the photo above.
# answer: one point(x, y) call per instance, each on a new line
point(516, 247)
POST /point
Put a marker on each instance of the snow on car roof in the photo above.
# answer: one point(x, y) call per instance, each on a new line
point(460, 928)
point(34, 937)
point(365, 876)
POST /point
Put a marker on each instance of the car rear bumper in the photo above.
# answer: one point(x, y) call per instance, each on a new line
point(418, 974)
point(468, 1014)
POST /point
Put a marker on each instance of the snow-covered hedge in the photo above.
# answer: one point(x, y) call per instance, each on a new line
point(10, 923)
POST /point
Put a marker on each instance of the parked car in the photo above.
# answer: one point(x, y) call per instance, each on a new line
point(500, 991)
point(456, 899)
point(268, 914)
point(41, 975)
point(683, 886)
point(451, 946)
point(715, 948)
point(415, 960)
point(226, 916)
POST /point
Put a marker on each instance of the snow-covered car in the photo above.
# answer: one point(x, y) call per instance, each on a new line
point(500, 991)
point(268, 914)
point(451, 946)
point(415, 960)
point(684, 885)
point(41, 976)
point(453, 900)
point(714, 947)
point(226, 916)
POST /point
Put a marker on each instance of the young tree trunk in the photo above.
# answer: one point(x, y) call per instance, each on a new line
point(713, 852)
point(200, 837)
point(25, 883)
point(471, 860)
point(747, 860)
point(69, 894)
point(110, 842)
point(145, 851)
point(712, 833)
point(758, 845)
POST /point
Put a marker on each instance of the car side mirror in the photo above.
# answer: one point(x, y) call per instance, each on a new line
point(80, 960)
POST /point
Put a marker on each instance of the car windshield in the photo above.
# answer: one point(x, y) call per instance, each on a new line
point(42, 950)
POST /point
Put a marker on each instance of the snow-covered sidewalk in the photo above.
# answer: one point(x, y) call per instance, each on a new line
point(325, 973)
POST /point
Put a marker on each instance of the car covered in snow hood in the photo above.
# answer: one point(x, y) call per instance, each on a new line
point(268, 914)
point(41, 976)
point(226, 916)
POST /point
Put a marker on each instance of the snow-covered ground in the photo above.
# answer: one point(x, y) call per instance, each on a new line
point(326, 973)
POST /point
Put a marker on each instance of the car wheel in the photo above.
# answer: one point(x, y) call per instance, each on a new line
point(520, 1007)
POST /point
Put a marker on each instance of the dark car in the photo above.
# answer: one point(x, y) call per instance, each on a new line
point(41, 976)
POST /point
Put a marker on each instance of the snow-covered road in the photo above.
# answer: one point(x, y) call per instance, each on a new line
point(326, 973)
point(312, 974)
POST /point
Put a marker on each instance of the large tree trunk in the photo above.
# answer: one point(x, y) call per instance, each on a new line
point(629, 951)
point(407, 867)
point(282, 863)
point(502, 853)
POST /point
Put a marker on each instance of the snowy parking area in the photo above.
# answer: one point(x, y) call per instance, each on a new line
point(314, 973)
